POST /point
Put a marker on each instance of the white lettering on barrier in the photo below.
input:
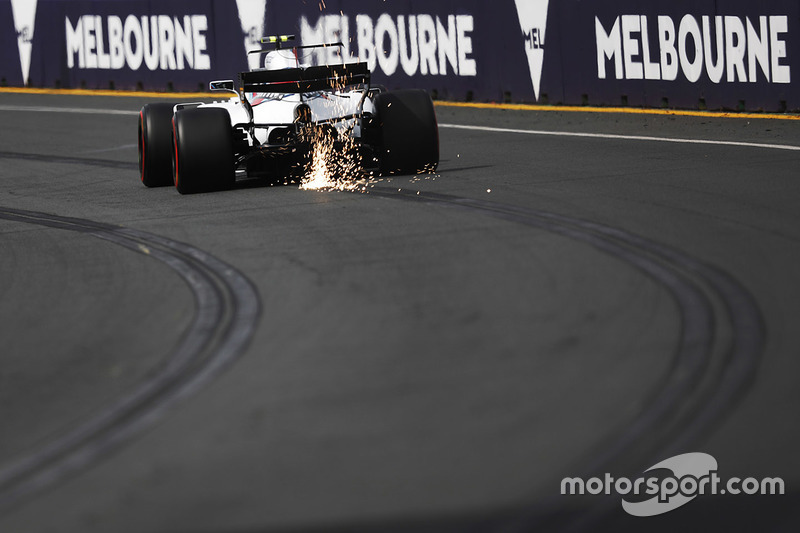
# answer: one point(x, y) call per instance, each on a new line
point(132, 43)
point(184, 51)
point(417, 44)
point(116, 46)
point(447, 45)
point(759, 49)
point(388, 56)
point(714, 69)
point(466, 65)
point(652, 71)
point(166, 43)
point(103, 59)
point(427, 46)
point(669, 54)
point(779, 25)
point(159, 41)
point(609, 46)
point(90, 42)
point(75, 44)
point(409, 61)
point(692, 68)
point(150, 42)
point(722, 47)
point(736, 47)
point(366, 38)
point(631, 25)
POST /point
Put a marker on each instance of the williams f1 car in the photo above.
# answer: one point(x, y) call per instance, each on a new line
point(276, 118)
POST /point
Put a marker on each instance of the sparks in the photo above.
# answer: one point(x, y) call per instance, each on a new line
point(334, 162)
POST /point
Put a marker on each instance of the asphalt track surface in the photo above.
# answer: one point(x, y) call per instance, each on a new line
point(570, 294)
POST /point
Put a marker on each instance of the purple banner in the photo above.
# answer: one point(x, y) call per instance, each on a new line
point(457, 49)
point(682, 53)
point(178, 44)
point(731, 54)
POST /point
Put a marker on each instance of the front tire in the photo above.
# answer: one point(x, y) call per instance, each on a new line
point(155, 144)
point(409, 132)
point(203, 158)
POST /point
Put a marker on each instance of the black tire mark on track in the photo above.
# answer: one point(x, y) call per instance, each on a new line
point(687, 279)
point(62, 159)
point(227, 310)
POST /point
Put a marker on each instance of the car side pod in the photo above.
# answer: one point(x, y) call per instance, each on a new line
point(409, 132)
point(203, 158)
point(155, 144)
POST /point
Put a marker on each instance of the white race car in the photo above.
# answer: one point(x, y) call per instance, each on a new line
point(279, 115)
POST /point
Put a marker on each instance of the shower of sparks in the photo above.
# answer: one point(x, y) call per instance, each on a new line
point(334, 163)
point(336, 166)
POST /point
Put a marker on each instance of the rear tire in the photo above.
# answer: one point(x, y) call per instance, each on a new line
point(155, 144)
point(409, 132)
point(203, 156)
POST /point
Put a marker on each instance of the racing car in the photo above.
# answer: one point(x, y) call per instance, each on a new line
point(277, 116)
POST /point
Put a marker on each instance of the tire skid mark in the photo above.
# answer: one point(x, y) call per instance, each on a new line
point(69, 160)
point(688, 280)
point(227, 308)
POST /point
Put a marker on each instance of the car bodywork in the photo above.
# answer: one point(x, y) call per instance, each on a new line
point(279, 114)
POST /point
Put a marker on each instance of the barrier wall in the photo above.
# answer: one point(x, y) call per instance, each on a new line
point(734, 54)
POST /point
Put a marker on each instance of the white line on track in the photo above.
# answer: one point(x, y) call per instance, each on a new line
point(490, 129)
point(83, 110)
point(622, 137)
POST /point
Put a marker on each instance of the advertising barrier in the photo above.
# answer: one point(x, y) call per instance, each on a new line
point(713, 54)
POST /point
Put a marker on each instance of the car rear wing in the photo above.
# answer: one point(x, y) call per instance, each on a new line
point(305, 79)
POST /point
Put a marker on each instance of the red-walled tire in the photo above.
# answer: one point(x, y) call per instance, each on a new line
point(409, 132)
point(155, 144)
point(203, 158)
